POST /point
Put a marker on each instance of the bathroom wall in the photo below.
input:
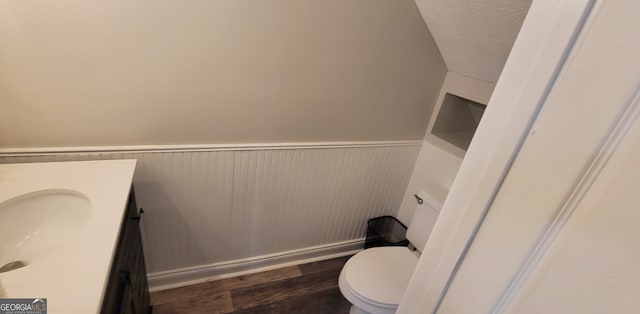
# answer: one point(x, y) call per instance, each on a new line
point(214, 211)
point(137, 72)
point(265, 131)
point(433, 173)
point(438, 162)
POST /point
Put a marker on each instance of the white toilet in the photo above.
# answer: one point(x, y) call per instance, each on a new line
point(375, 279)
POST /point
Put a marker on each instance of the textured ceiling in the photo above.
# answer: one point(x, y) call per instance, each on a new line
point(474, 36)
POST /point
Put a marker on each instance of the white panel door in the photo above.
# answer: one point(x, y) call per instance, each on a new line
point(563, 232)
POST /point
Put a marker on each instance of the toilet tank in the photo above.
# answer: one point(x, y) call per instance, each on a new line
point(425, 216)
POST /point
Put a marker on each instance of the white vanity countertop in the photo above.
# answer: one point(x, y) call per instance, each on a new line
point(73, 278)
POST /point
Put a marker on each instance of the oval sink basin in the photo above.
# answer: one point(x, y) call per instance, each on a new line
point(34, 225)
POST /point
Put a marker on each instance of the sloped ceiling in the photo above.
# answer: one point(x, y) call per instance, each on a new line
point(474, 36)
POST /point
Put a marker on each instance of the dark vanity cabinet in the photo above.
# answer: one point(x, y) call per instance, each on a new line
point(127, 290)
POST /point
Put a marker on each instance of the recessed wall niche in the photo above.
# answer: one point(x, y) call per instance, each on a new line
point(457, 113)
point(457, 120)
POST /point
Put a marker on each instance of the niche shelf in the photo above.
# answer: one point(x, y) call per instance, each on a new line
point(457, 120)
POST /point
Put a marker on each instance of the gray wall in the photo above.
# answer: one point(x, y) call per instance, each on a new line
point(131, 72)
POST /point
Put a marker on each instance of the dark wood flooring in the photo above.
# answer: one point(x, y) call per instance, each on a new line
point(307, 288)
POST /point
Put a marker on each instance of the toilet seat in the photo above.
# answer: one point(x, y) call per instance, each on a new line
point(375, 279)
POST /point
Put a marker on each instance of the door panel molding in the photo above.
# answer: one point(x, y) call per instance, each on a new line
point(619, 129)
point(575, 138)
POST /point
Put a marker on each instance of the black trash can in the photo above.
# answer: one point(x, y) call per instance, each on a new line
point(385, 231)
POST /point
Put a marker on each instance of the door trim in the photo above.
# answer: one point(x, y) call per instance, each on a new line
point(544, 42)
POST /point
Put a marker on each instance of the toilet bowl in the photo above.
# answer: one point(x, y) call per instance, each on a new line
point(375, 279)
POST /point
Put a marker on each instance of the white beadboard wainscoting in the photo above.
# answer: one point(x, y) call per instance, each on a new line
point(212, 210)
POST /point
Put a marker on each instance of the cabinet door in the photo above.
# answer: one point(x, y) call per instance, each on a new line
point(139, 286)
point(127, 290)
point(127, 305)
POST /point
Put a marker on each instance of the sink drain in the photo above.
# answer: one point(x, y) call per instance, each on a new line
point(12, 266)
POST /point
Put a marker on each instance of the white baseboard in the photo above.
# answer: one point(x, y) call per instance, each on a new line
point(203, 273)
